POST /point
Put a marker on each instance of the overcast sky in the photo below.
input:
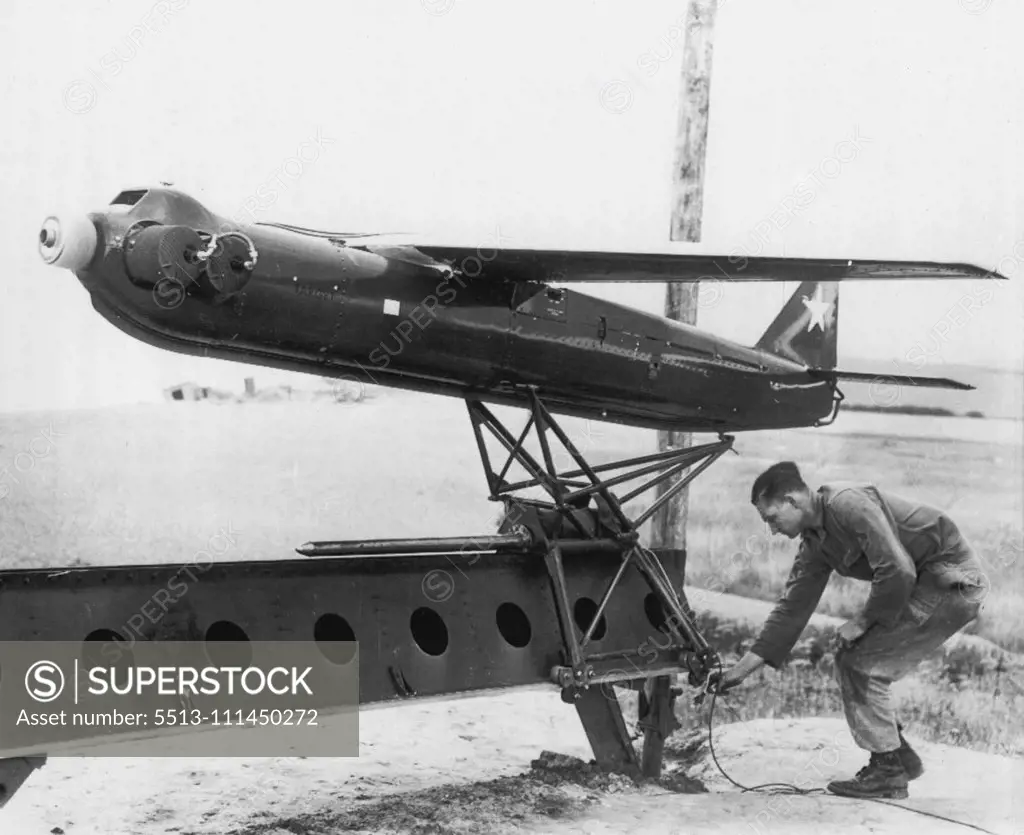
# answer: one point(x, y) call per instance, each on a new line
point(877, 130)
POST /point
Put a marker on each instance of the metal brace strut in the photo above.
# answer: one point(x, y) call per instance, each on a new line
point(572, 491)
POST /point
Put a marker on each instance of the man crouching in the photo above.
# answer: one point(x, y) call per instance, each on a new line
point(926, 584)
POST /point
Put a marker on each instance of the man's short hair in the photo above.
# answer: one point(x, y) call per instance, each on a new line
point(776, 481)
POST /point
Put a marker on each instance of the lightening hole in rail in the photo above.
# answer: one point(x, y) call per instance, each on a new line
point(655, 611)
point(227, 645)
point(429, 631)
point(583, 613)
point(328, 631)
point(513, 624)
point(106, 648)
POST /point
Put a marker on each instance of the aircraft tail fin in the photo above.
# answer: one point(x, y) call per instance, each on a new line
point(805, 331)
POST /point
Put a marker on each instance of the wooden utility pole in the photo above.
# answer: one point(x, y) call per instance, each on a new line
point(687, 211)
point(669, 524)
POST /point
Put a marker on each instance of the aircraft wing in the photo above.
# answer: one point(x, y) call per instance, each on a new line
point(568, 266)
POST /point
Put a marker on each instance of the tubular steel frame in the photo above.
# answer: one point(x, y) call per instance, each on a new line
point(568, 494)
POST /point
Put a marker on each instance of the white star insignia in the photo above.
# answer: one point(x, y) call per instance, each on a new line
point(819, 310)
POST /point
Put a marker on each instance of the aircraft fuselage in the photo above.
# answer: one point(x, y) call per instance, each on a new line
point(317, 305)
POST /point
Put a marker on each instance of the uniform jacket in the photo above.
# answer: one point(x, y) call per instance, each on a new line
point(887, 540)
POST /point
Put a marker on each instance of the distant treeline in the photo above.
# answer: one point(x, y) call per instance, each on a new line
point(934, 411)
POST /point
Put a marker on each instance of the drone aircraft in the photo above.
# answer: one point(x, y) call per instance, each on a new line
point(556, 602)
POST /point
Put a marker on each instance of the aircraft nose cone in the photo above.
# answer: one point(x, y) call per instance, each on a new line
point(69, 243)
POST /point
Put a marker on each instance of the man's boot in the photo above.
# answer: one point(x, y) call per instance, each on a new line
point(883, 776)
point(911, 762)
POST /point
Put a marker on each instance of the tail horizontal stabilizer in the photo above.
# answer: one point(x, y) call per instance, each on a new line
point(890, 379)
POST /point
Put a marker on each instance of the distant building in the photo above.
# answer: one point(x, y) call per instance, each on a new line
point(187, 391)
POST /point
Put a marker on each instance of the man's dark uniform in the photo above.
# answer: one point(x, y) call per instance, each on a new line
point(926, 583)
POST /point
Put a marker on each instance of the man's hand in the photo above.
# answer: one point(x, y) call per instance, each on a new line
point(735, 674)
point(850, 632)
point(727, 679)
